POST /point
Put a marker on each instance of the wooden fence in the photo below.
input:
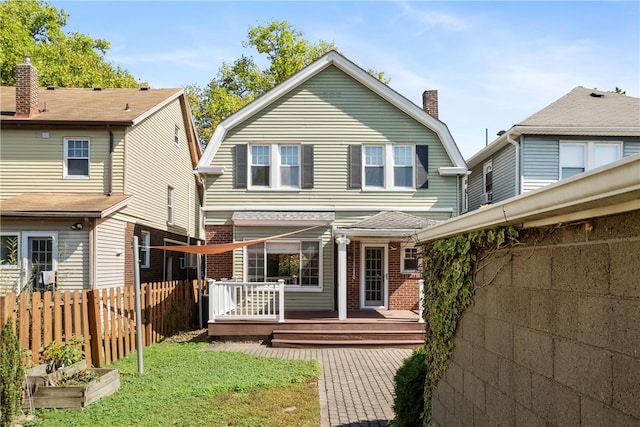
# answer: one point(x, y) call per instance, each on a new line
point(105, 318)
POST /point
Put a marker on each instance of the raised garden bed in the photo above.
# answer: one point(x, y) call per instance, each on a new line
point(39, 393)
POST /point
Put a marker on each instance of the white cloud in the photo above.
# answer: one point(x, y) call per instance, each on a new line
point(432, 18)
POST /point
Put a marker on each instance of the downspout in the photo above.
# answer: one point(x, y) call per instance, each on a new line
point(517, 147)
point(110, 168)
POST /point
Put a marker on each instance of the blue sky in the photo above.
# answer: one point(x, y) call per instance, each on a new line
point(493, 63)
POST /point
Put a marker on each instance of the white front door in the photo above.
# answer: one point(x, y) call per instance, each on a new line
point(39, 254)
point(374, 273)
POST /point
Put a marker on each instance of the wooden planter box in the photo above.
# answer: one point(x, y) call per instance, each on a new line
point(45, 396)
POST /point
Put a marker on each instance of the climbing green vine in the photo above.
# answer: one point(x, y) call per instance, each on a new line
point(449, 268)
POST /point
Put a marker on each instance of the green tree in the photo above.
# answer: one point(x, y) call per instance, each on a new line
point(34, 28)
point(242, 81)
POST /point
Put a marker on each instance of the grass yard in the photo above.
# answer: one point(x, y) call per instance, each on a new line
point(185, 386)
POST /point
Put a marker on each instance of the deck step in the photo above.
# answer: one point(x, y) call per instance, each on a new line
point(302, 338)
point(285, 343)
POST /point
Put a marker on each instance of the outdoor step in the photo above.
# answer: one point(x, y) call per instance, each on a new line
point(305, 338)
point(280, 343)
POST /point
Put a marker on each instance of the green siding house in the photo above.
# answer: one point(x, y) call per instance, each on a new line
point(335, 149)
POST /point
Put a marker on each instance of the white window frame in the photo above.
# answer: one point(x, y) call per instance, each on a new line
point(145, 251)
point(66, 142)
point(485, 169)
point(15, 234)
point(403, 254)
point(170, 205)
point(388, 166)
point(275, 167)
point(589, 153)
point(294, 288)
point(176, 135)
point(465, 193)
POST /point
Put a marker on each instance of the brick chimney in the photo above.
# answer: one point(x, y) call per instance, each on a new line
point(26, 89)
point(430, 102)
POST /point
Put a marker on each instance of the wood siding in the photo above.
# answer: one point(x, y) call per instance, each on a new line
point(631, 147)
point(110, 241)
point(153, 163)
point(31, 162)
point(332, 111)
point(504, 178)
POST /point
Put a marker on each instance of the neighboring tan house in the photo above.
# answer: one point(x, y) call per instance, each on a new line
point(335, 148)
point(84, 170)
point(583, 130)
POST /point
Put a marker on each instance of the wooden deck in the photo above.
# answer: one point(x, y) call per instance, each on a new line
point(362, 328)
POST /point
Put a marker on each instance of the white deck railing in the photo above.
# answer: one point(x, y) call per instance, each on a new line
point(246, 300)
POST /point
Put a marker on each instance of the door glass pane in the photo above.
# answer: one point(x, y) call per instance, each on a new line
point(373, 277)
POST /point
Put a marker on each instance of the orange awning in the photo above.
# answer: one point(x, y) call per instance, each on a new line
point(224, 247)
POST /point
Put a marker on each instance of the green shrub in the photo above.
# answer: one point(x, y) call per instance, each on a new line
point(408, 403)
point(11, 374)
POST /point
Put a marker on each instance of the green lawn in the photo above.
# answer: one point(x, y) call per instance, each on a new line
point(185, 386)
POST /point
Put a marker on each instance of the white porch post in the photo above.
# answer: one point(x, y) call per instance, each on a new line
point(281, 300)
point(342, 242)
point(213, 297)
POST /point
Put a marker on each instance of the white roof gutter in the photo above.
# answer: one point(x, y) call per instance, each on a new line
point(607, 190)
point(518, 130)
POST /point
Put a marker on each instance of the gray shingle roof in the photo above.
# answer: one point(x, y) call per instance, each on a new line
point(583, 107)
point(282, 216)
point(393, 220)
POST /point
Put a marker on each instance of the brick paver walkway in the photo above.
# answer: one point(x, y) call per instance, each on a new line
point(355, 386)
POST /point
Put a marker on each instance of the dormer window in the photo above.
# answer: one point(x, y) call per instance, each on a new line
point(76, 158)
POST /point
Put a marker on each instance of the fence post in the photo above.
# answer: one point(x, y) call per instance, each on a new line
point(281, 300)
point(94, 328)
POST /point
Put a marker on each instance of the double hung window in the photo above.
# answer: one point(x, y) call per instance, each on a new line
point(578, 157)
point(409, 260)
point(274, 166)
point(145, 254)
point(76, 158)
point(9, 254)
point(389, 166)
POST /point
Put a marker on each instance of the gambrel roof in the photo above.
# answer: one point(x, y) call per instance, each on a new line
point(333, 58)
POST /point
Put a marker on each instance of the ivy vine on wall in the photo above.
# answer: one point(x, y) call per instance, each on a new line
point(449, 269)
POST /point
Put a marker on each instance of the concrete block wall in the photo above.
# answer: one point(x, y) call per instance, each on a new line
point(553, 337)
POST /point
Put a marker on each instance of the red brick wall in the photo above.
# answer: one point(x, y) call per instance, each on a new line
point(403, 288)
point(353, 275)
point(219, 266)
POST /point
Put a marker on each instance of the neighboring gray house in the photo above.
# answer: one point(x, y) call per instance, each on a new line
point(581, 131)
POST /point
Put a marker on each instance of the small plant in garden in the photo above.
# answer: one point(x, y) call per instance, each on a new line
point(408, 404)
point(79, 378)
point(11, 373)
point(59, 355)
